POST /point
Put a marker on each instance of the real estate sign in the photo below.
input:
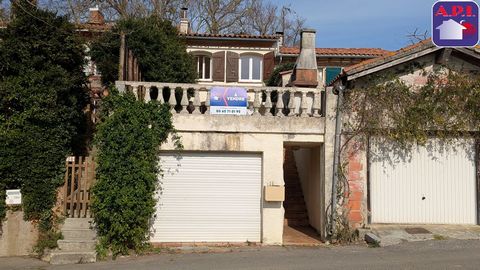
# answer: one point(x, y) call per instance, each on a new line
point(455, 23)
point(228, 100)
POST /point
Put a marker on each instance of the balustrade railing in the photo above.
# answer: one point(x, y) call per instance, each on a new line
point(264, 101)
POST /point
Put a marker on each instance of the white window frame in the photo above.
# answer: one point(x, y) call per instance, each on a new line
point(203, 67)
point(250, 68)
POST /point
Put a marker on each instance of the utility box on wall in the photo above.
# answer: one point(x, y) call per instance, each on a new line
point(274, 193)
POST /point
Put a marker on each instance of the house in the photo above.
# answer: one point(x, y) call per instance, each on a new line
point(451, 30)
point(436, 185)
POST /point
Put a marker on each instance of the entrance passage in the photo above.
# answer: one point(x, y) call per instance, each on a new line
point(209, 197)
point(297, 228)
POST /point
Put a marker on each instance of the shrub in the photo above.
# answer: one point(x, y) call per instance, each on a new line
point(128, 141)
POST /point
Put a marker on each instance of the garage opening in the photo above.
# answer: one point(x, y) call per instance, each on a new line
point(209, 197)
point(434, 184)
point(303, 195)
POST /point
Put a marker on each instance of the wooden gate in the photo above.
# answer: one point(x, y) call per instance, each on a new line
point(76, 192)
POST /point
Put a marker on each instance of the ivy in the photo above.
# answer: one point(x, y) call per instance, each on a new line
point(276, 79)
point(161, 54)
point(42, 94)
point(128, 140)
point(401, 115)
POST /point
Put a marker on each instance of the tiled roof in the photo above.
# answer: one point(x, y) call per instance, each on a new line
point(246, 36)
point(95, 27)
point(389, 57)
point(370, 52)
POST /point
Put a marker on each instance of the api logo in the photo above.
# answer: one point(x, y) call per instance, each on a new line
point(455, 24)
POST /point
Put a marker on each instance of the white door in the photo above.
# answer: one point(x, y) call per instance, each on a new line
point(435, 185)
point(209, 197)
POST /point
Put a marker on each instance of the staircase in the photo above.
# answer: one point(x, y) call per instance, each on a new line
point(295, 209)
point(77, 245)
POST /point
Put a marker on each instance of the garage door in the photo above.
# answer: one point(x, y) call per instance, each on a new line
point(209, 197)
point(436, 184)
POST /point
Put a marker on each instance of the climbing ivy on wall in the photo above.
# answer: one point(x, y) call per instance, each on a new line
point(42, 94)
point(400, 116)
point(128, 140)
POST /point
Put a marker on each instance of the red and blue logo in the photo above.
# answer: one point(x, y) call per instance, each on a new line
point(455, 23)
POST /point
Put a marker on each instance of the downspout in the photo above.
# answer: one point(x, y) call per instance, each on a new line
point(336, 156)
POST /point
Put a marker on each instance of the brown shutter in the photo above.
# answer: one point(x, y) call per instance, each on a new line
point(232, 66)
point(218, 59)
point(268, 65)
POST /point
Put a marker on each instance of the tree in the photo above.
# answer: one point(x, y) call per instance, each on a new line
point(42, 95)
point(155, 42)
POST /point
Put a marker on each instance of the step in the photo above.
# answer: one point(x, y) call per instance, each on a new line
point(72, 257)
point(295, 208)
point(296, 215)
point(78, 234)
point(76, 245)
point(78, 223)
point(294, 222)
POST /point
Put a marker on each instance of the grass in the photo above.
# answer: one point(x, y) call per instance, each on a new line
point(439, 237)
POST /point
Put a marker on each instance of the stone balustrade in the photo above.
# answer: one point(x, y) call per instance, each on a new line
point(262, 101)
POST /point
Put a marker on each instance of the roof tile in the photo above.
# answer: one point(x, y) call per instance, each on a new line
point(230, 36)
point(339, 51)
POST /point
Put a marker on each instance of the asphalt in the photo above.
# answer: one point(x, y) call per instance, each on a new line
point(436, 254)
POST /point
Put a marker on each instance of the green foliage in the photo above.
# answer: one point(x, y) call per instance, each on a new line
point(447, 105)
point(42, 94)
point(276, 79)
point(155, 42)
point(128, 141)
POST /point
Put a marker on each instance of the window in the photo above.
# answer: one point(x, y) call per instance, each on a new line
point(251, 68)
point(204, 67)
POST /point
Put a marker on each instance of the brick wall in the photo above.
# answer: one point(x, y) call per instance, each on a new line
point(356, 173)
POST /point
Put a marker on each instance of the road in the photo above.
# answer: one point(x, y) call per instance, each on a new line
point(440, 254)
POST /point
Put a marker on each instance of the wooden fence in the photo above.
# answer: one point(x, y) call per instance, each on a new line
point(76, 191)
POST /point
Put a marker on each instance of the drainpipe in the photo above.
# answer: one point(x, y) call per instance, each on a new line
point(336, 156)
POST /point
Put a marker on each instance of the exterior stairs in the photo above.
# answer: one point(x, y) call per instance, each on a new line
point(78, 245)
point(296, 214)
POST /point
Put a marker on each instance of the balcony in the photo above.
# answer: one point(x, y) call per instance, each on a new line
point(299, 111)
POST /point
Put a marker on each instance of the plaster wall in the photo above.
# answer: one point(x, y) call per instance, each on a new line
point(259, 134)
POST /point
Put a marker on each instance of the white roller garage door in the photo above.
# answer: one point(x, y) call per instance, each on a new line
point(209, 197)
point(436, 186)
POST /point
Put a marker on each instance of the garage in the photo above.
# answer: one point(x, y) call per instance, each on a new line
point(435, 184)
point(209, 197)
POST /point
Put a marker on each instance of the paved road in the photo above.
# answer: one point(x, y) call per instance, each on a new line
point(448, 254)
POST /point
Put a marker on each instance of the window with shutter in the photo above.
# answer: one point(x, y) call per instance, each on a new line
point(203, 67)
point(251, 68)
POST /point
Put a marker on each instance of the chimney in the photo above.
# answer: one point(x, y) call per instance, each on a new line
point(280, 39)
point(96, 17)
point(184, 23)
point(305, 73)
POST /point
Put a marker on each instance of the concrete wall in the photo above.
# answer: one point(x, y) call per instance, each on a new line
point(17, 237)
point(307, 161)
point(260, 134)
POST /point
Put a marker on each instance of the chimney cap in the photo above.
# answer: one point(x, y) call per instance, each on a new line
point(309, 30)
point(279, 33)
point(184, 8)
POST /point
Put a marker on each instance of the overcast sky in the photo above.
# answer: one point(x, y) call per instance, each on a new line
point(364, 23)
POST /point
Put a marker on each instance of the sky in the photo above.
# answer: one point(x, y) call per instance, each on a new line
point(364, 23)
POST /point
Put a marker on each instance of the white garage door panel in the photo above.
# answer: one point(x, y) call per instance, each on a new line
point(210, 197)
point(433, 187)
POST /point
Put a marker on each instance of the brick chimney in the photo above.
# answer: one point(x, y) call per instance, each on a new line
point(305, 73)
point(96, 17)
point(184, 27)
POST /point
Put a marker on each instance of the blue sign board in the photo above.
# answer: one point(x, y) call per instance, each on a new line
point(455, 23)
point(228, 100)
